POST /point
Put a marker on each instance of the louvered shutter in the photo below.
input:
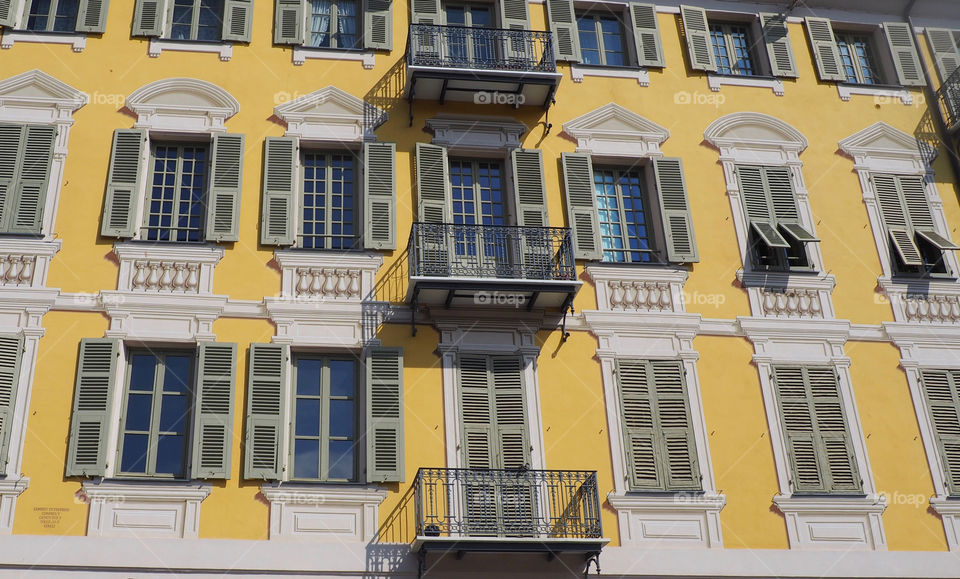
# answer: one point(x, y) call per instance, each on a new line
point(697, 31)
point(237, 20)
point(918, 209)
point(563, 24)
point(122, 201)
point(213, 410)
point(581, 205)
point(776, 36)
point(280, 188)
point(675, 210)
point(514, 15)
point(802, 444)
point(943, 46)
point(226, 180)
point(92, 402)
point(379, 196)
point(646, 34)
point(476, 414)
point(640, 440)
point(757, 206)
point(941, 391)
point(783, 198)
point(677, 446)
point(895, 218)
point(512, 446)
point(148, 17)
point(385, 448)
point(833, 429)
point(433, 184)
point(11, 138)
point(906, 60)
point(30, 188)
point(531, 194)
point(426, 12)
point(266, 399)
point(378, 24)
point(11, 353)
point(825, 50)
point(289, 21)
point(92, 16)
point(9, 10)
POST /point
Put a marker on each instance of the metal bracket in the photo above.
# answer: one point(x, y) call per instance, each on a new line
point(546, 118)
point(421, 563)
point(567, 307)
point(414, 306)
point(592, 558)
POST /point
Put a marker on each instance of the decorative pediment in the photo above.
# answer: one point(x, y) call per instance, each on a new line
point(754, 131)
point(467, 132)
point(186, 104)
point(615, 130)
point(35, 96)
point(881, 141)
point(327, 114)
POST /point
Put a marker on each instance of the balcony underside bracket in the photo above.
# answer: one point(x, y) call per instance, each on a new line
point(592, 558)
point(567, 307)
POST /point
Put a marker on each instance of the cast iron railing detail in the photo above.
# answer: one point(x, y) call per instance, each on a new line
point(481, 48)
point(492, 252)
point(948, 99)
point(499, 504)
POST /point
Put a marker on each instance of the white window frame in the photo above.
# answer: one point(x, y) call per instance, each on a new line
point(18, 33)
point(223, 48)
point(632, 71)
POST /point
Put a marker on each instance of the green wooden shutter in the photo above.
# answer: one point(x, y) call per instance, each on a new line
point(796, 415)
point(433, 184)
point(825, 50)
point(148, 17)
point(122, 200)
point(895, 220)
point(514, 14)
point(280, 187)
point(511, 434)
point(378, 24)
point(943, 46)
point(529, 188)
point(941, 392)
point(226, 180)
point(11, 353)
point(288, 24)
point(783, 198)
point(237, 20)
point(213, 410)
point(379, 196)
point(30, 188)
point(385, 448)
point(266, 400)
point(697, 31)
point(581, 205)
point(639, 433)
point(9, 10)
point(11, 139)
point(426, 12)
point(833, 429)
point(675, 211)
point(904, 51)
point(92, 402)
point(756, 205)
point(779, 50)
point(92, 16)
point(476, 413)
point(678, 447)
point(921, 219)
point(646, 34)
point(563, 24)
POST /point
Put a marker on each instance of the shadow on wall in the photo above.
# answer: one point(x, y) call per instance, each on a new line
point(390, 550)
point(385, 97)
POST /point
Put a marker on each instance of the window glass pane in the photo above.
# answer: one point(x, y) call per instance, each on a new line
point(308, 377)
point(173, 413)
point(613, 52)
point(720, 53)
point(329, 201)
point(306, 459)
point(134, 458)
point(177, 197)
point(320, 23)
point(139, 407)
point(456, 16)
point(308, 417)
point(143, 369)
point(210, 25)
point(37, 17)
point(341, 460)
point(177, 373)
point(341, 418)
point(170, 453)
point(589, 45)
point(743, 64)
point(347, 24)
point(182, 20)
point(66, 19)
point(342, 378)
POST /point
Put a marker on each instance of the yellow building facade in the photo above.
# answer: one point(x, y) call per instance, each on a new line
point(361, 288)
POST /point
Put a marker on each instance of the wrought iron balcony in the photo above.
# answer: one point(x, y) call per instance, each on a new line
point(948, 101)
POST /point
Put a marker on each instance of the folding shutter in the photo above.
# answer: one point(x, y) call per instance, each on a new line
point(677, 445)
point(904, 51)
point(697, 31)
point(796, 415)
point(213, 410)
point(9, 10)
point(11, 353)
point(779, 187)
point(756, 205)
point(918, 209)
point(426, 12)
point(226, 180)
point(92, 402)
point(433, 184)
point(121, 205)
point(237, 20)
point(941, 391)
point(581, 205)
point(825, 50)
point(379, 196)
point(476, 415)
point(378, 24)
point(514, 14)
point(289, 21)
point(563, 24)
point(833, 429)
point(528, 182)
point(777, 38)
point(943, 46)
point(895, 218)
point(385, 460)
point(148, 17)
point(675, 210)
point(640, 439)
point(646, 34)
point(30, 188)
point(512, 446)
point(92, 16)
point(266, 399)
point(11, 142)
point(280, 188)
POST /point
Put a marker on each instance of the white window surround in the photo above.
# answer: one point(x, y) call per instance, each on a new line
point(846, 90)
point(145, 510)
point(636, 288)
point(323, 513)
point(10, 37)
point(476, 133)
point(785, 295)
point(612, 130)
point(578, 71)
point(831, 522)
point(367, 58)
point(328, 114)
point(188, 105)
point(715, 81)
point(158, 45)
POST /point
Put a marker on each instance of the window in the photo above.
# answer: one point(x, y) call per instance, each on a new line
point(26, 155)
point(325, 419)
point(623, 212)
point(601, 39)
point(851, 54)
point(333, 24)
point(196, 20)
point(493, 412)
point(945, 49)
point(856, 56)
point(328, 216)
point(156, 414)
point(477, 192)
point(178, 191)
point(731, 48)
point(52, 15)
point(463, 46)
point(658, 433)
point(941, 392)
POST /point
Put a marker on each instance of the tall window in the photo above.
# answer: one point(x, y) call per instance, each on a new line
point(601, 39)
point(462, 45)
point(856, 55)
point(476, 189)
point(623, 215)
point(328, 218)
point(52, 15)
point(325, 419)
point(197, 20)
point(156, 414)
point(731, 47)
point(333, 24)
point(178, 193)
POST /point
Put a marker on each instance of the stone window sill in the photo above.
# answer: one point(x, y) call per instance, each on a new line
point(10, 37)
point(715, 81)
point(846, 90)
point(158, 45)
point(365, 57)
point(577, 72)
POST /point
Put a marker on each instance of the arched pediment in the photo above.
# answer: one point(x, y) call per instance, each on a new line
point(182, 104)
point(749, 130)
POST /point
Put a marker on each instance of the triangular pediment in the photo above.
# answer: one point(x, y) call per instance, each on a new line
point(36, 86)
point(614, 119)
point(328, 102)
point(881, 139)
point(183, 94)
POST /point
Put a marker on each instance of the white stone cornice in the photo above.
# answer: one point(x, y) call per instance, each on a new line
point(182, 104)
point(475, 132)
point(155, 316)
point(616, 131)
point(328, 114)
point(36, 89)
point(750, 130)
point(880, 144)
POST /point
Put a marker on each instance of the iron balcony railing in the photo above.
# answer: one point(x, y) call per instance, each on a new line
point(481, 48)
point(545, 504)
point(491, 251)
point(948, 99)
